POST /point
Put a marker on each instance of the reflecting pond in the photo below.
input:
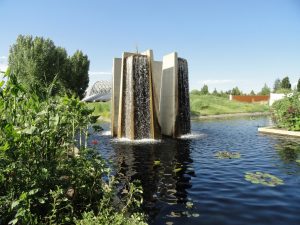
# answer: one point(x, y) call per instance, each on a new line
point(185, 183)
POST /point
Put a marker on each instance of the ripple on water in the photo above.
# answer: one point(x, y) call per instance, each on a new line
point(175, 171)
point(192, 135)
point(136, 142)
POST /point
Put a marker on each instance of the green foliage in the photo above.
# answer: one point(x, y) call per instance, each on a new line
point(215, 92)
point(204, 90)
point(265, 90)
point(236, 91)
point(285, 83)
point(286, 112)
point(298, 85)
point(277, 85)
point(47, 174)
point(252, 93)
point(37, 62)
point(79, 79)
point(100, 109)
point(214, 105)
point(263, 178)
point(195, 92)
point(283, 91)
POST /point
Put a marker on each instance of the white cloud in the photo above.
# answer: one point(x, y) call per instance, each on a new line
point(94, 73)
point(215, 82)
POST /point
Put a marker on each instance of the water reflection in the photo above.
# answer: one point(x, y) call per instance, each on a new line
point(184, 183)
point(288, 150)
point(164, 169)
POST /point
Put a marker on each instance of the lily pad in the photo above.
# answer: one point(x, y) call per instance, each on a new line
point(156, 162)
point(227, 155)
point(189, 205)
point(263, 178)
point(177, 170)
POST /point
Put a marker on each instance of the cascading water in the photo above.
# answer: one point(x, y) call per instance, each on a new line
point(136, 98)
point(127, 98)
point(184, 121)
point(141, 97)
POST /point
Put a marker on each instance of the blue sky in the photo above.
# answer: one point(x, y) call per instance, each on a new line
point(227, 43)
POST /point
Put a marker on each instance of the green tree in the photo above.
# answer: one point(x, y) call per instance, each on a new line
point(204, 90)
point(79, 73)
point(277, 85)
point(298, 85)
point(236, 91)
point(265, 90)
point(215, 92)
point(285, 83)
point(252, 93)
point(37, 62)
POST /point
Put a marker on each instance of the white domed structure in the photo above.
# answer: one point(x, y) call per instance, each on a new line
point(98, 92)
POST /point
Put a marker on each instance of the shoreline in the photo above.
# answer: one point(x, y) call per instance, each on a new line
point(230, 115)
point(217, 116)
point(278, 131)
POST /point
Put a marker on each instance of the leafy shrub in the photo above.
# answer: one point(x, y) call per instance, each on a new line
point(286, 112)
point(46, 176)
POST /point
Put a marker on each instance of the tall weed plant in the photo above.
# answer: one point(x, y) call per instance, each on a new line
point(47, 173)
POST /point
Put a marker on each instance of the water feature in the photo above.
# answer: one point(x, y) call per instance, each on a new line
point(184, 120)
point(136, 98)
point(185, 183)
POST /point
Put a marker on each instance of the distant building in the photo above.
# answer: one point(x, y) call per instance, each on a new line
point(98, 92)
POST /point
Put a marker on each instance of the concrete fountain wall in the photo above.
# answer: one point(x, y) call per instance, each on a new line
point(150, 98)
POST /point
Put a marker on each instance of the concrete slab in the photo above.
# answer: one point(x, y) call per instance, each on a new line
point(273, 130)
point(116, 72)
point(168, 95)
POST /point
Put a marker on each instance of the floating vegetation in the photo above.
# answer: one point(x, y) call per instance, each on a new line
point(177, 170)
point(263, 178)
point(183, 214)
point(227, 155)
point(189, 205)
point(298, 161)
point(156, 163)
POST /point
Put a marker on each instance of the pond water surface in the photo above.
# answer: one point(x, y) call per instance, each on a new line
point(184, 183)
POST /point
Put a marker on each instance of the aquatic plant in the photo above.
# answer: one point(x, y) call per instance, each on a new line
point(227, 155)
point(263, 178)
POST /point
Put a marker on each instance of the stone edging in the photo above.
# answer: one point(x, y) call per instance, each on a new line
point(230, 115)
point(273, 130)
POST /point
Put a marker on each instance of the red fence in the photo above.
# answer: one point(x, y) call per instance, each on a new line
point(254, 98)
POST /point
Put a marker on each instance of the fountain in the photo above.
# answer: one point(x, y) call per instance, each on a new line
point(174, 98)
point(147, 94)
point(135, 101)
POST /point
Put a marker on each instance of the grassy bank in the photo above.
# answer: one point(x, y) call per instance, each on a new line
point(200, 105)
point(214, 105)
point(100, 109)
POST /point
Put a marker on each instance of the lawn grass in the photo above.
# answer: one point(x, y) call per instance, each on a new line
point(200, 105)
point(214, 105)
point(100, 109)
